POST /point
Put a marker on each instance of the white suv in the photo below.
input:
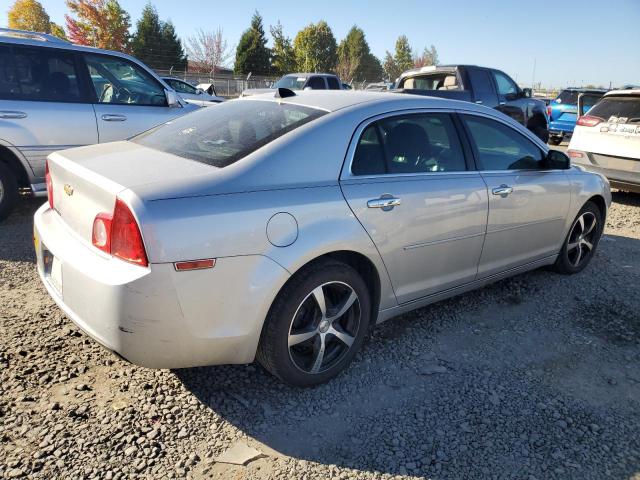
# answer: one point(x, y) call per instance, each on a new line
point(55, 95)
point(607, 139)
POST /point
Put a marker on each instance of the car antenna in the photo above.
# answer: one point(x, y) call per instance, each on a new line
point(284, 93)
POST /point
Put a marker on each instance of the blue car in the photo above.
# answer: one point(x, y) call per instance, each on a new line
point(563, 110)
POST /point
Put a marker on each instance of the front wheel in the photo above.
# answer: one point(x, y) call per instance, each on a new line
point(8, 191)
point(582, 240)
point(316, 324)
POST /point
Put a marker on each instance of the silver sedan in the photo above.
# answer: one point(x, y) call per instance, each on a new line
point(282, 227)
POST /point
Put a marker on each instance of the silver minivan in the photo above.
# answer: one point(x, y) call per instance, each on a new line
point(55, 95)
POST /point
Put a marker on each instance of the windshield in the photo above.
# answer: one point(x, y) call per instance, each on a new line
point(291, 82)
point(232, 130)
point(622, 107)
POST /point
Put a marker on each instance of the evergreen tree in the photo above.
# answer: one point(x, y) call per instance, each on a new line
point(315, 48)
point(252, 54)
point(355, 60)
point(156, 43)
point(403, 56)
point(283, 58)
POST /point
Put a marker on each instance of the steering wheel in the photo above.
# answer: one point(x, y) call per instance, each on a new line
point(109, 92)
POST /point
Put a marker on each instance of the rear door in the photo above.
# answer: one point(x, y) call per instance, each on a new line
point(528, 204)
point(128, 100)
point(44, 104)
point(408, 183)
point(483, 88)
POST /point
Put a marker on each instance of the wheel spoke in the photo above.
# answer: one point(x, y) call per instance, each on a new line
point(591, 227)
point(342, 336)
point(571, 246)
point(319, 356)
point(318, 294)
point(581, 222)
point(578, 257)
point(587, 244)
point(296, 338)
point(346, 306)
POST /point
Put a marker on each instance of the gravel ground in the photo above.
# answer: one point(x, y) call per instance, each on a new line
point(537, 376)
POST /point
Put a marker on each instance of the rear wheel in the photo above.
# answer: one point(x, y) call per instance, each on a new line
point(316, 325)
point(582, 240)
point(8, 191)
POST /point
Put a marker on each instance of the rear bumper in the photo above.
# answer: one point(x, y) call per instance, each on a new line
point(621, 172)
point(157, 317)
point(561, 128)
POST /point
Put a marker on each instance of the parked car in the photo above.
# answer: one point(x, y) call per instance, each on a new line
point(283, 227)
point(55, 95)
point(607, 138)
point(301, 81)
point(485, 86)
point(562, 112)
point(379, 86)
point(192, 94)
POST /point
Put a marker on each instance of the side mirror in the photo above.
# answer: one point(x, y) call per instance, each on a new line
point(527, 93)
point(199, 91)
point(557, 160)
point(308, 88)
point(172, 99)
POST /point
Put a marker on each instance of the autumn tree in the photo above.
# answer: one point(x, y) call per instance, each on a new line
point(355, 60)
point(156, 43)
point(252, 54)
point(283, 58)
point(31, 15)
point(208, 50)
point(428, 57)
point(315, 48)
point(101, 23)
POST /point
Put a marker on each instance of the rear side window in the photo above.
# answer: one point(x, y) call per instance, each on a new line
point(42, 74)
point(232, 130)
point(333, 83)
point(502, 148)
point(316, 83)
point(621, 107)
point(418, 143)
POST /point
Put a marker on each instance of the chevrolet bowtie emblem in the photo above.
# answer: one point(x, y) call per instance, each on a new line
point(68, 189)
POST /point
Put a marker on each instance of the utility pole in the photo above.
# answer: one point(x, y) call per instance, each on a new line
point(533, 76)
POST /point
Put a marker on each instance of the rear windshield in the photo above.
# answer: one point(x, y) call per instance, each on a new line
point(627, 107)
point(222, 135)
point(568, 97)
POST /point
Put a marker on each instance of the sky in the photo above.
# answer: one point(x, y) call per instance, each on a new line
point(556, 42)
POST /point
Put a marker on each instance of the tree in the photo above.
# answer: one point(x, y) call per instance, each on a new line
point(31, 15)
point(355, 60)
point(429, 57)
point(315, 48)
point(208, 50)
point(156, 43)
point(403, 55)
point(252, 54)
point(390, 67)
point(101, 23)
point(283, 58)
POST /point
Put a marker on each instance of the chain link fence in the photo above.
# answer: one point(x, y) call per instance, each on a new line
point(225, 84)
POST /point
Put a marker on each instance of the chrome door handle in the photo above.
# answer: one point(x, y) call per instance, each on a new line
point(503, 190)
point(478, 101)
point(9, 114)
point(116, 117)
point(384, 202)
point(503, 103)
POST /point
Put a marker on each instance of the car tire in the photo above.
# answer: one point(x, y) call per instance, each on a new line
point(555, 140)
point(305, 344)
point(8, 191)
point(581, 241)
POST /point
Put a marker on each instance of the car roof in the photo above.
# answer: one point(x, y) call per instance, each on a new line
point(584, 90)
point(307, 74)
point(626, 91)
point(333, 100)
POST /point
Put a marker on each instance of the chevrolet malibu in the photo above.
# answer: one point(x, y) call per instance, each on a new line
point(283, 227)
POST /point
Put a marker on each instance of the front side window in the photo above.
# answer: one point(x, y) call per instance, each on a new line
point(42, 74)
point(418, 143)
point(119, 81)
point(316, 83)
point(500, 147)
point(181, 87)
point(223, 135)
point(506, 86)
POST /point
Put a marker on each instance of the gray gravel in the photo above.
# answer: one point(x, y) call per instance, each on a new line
point(534, 377)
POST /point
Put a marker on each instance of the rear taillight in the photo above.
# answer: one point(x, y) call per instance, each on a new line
point(589, 121)
point(574, 154)
point(119, 235)
point(47, 177)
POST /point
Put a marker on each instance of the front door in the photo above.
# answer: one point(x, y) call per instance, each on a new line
point(528, 204)
point(128, 99)
point(409, 186)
